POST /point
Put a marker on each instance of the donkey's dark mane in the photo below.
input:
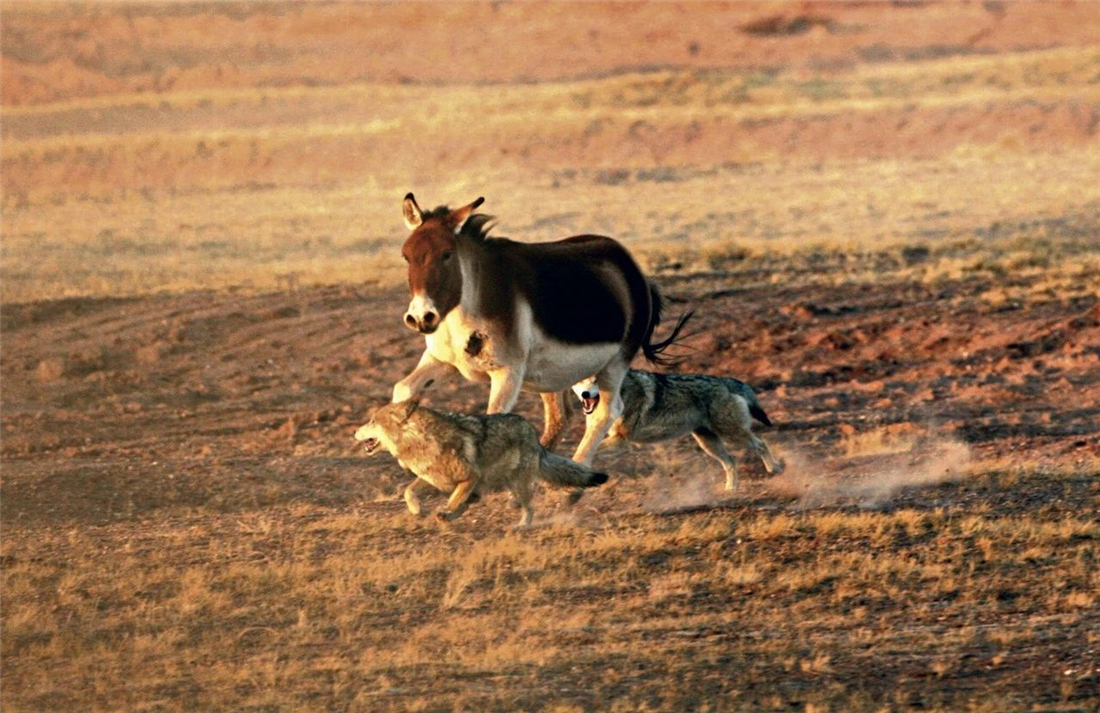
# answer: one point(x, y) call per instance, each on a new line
point(476, 226)
point(438, 212)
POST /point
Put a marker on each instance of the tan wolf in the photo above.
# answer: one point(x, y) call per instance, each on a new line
point(467, 456)
point(715, 410)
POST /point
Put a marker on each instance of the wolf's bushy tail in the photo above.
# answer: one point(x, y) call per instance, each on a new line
point(556, 470)
point(745, 391)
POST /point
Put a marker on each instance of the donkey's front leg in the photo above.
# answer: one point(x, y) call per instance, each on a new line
point(505, 388)
point(427, 368)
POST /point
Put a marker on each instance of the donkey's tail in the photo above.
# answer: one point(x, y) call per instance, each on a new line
point(654, 351)
point(556, 470)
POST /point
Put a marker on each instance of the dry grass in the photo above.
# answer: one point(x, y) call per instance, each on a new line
point(892, 567)
point(284, 610)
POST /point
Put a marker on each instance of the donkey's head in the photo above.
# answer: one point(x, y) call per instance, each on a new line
point(435, 279)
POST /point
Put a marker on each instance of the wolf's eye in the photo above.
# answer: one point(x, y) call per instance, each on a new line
point(447, 255)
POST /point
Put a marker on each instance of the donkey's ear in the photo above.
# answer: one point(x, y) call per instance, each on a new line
point(413, 215)
point(459, 216)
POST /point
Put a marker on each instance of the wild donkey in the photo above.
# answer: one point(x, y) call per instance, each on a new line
point(551, 314)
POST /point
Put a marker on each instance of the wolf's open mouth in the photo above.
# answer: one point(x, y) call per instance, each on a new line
point(589, 403)
point(371, 445)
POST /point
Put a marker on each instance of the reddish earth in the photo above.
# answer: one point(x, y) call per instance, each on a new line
point(117, 408)
point(85, 50)
point(189, 524)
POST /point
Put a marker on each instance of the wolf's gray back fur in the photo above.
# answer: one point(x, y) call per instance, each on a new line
point(715, 410)
point(467, 455)
point(660, 402)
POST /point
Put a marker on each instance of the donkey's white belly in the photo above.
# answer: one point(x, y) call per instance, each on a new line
point(556, 366)
point(548, 364)
point(553, 365)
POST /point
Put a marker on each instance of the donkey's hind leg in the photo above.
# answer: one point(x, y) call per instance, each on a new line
point(555, 411)
point(608, 411)
point(711, 444)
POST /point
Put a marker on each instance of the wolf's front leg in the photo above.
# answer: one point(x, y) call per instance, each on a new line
point(504, 392)
point(458, 502)
point(412, 502)
point(614, 442)
point(427, 368)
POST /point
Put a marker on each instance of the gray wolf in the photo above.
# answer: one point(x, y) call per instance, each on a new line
point(554, 312)
point(715, 410)
point(467, 456)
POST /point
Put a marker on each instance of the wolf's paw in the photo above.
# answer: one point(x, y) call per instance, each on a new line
point(779, 467)
point(444, 516)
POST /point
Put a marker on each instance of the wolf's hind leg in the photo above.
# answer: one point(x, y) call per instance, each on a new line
point(412, 502)
point(523, 491)
point(761, 448)
point(713, 446)
point(458, 501)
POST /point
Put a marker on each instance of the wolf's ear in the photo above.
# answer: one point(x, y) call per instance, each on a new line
point(414, 403)
point(458, 217)
point(413, 216)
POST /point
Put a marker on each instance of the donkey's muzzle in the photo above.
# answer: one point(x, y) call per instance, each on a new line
point(425, 325)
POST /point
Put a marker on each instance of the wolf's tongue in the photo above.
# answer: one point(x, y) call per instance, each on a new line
point(589, 404)
point(370, 445)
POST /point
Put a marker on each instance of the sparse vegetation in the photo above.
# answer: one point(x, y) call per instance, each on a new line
point(885, 215)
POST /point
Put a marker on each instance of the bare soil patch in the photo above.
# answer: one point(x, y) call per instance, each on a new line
point(930, 542)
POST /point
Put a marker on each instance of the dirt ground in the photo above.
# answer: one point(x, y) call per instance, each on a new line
point(200, 414)
point(882, 215)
